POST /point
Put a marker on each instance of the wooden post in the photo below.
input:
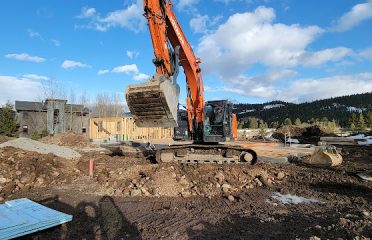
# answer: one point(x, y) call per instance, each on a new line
point(91, 168)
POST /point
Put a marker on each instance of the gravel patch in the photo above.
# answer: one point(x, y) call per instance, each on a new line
point(43, 148)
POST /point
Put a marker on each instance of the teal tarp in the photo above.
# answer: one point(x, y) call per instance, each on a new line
point(23, 216)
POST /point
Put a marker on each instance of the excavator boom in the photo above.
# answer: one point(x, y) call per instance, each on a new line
point(154, 104)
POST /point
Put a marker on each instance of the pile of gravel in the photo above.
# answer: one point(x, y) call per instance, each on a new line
point(43, 148)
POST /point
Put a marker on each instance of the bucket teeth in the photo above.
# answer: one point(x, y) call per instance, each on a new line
point(153, 104)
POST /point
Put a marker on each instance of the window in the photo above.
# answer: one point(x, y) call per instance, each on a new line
point(100, 126)
point(84, 130)
point(56, 116)
point(118, 126)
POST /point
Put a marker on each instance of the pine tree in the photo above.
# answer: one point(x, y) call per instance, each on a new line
point(8, 120)
point(298, 122)
point(253, 123)
point(369, 119)
point(287, 121)
point(361, 123)
point(353, 119)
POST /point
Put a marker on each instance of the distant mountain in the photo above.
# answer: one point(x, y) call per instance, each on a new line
point(338, 108)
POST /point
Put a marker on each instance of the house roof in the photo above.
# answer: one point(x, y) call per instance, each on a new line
point(29, 106)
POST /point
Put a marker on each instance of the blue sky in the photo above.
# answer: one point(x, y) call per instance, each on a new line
point(252, 50)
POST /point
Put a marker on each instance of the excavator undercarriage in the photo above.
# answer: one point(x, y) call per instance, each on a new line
point(201, 153)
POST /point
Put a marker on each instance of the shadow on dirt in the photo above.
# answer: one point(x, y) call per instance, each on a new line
point(291, 226)
point(347, 189)
point(103, 220)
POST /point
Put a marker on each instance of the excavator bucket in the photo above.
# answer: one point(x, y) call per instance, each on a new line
point(154, 104)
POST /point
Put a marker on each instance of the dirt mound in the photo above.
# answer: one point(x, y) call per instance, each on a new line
point(22, 170)
point(172, 180)
point(305, 135)
point(4, 139)
point(67, 139)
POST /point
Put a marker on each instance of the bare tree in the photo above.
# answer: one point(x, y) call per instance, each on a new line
point(107, 105)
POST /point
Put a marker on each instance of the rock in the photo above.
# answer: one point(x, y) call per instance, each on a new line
point(174, 175)
point(135, 192)
point(198, 227)
point(145, 192)
point(40, 180)
point(3, 180)
point(183, 181)
point(185, 194)
point(219, 177)
point(25, 179)
point(258, 182)
point(231, 198)
point(366, 214)
point(314, 238)
point(343, 221)
point(55, 174)
point(280, 176)
point(318, 227)
point(226, 187)
point(18, 173)
point(1, 199)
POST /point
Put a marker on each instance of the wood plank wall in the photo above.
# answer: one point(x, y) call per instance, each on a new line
point(124, 129)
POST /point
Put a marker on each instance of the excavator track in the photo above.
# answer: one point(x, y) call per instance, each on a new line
point(200, 153)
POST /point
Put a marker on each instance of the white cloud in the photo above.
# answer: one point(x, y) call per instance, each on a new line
point(36, 77)
point(312, 89)
point(324, 56)
point(130, 17)
point(256, 39)
point(56, 42)
point(359, 13)
point(199, 23)
point(13, 88)
point(131, 68)
point(186, 3)
point(34, 34)
point(69, 64)
point(141, 76)
point(102, 72)
point(24, 57)
point(366, 53)
point(87, 12)
point(301, 90)
point(132, 54)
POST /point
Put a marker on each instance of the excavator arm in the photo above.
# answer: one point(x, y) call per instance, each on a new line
point(171, 49)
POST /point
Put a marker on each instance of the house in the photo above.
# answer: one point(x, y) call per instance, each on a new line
point(53, 115)
point(123, 128)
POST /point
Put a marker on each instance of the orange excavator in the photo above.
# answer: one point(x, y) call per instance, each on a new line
point(154, 104)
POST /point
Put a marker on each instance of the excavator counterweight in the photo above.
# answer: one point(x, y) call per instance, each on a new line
point(154, 103)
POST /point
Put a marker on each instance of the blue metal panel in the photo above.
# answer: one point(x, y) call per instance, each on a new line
point(23, 216)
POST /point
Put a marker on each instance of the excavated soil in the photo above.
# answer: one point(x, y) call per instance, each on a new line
point(131, 198)
point(67, 139)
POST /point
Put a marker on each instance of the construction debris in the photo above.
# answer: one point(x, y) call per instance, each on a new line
point(366, 175)
point(22, 216)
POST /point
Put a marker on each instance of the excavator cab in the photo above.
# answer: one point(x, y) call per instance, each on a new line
point(217, 121)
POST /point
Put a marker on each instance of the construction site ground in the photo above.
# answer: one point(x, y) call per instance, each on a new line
point(130, 197)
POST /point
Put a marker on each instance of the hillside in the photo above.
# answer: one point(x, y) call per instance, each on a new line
point(338, 108)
